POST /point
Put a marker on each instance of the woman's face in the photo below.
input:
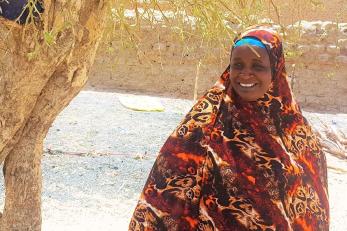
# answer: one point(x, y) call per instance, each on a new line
point(250, 74)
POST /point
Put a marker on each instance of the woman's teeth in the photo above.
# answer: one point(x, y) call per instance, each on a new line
point(247, 84)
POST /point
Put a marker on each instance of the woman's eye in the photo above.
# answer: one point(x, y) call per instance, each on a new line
point(237, 66)
point(258, 67)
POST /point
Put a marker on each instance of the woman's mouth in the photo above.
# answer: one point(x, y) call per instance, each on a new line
point(247, 85)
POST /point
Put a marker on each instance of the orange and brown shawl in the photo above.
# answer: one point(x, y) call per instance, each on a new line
point(239, 166)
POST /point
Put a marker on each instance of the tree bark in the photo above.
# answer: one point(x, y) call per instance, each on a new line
point(41, 70)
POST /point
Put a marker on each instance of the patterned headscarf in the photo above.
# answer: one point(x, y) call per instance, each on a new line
point(235, 165)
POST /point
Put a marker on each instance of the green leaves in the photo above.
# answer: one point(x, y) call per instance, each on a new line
point(49, 38)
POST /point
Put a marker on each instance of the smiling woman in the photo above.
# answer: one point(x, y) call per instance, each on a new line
point(244, 158)
point(250, 71)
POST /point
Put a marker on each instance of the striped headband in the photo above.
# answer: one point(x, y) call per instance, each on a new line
point(249, 41)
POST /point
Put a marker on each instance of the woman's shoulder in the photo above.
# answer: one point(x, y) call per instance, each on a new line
point(201, 117)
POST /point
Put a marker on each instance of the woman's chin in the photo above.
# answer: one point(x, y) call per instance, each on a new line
point(248, 97)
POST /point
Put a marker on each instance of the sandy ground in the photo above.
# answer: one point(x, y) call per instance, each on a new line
point(98, 155)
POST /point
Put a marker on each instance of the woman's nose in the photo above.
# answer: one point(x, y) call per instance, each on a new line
point(246, 74)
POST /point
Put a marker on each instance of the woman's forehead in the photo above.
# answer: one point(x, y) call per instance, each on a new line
point(249, 51)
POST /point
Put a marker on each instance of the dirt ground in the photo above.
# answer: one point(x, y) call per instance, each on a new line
point(98, 155)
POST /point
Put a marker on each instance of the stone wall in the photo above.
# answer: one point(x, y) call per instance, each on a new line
point(295, 10)
point(161, 65)
point(321, 68)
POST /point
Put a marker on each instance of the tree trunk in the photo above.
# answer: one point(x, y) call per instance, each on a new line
point(41, 70)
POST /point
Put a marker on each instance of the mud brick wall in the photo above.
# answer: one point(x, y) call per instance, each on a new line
point(162, 65)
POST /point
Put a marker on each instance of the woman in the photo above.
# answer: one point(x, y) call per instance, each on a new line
point(244, 158)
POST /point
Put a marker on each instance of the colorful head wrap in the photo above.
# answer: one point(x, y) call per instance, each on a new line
point(249, 41)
